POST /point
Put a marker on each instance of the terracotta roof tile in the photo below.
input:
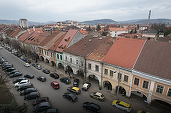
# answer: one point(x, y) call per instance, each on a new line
point(99, 54)
point(155, 59)
point(117, 29)
point(67, 39)
point(124, 52)
point(24, 36)
point(86, 45)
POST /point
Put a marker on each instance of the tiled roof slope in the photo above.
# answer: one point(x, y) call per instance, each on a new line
point(117, 29)
point(99, 54)
point(40, 38)
point(31, 38)
point(86, 45)
point(69, 36)
point(55, 44)
point(124, 52)
point(155, 59)
point(55, 36)
point(24, 36)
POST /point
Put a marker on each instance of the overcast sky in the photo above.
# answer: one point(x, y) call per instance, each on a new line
point(82, 10)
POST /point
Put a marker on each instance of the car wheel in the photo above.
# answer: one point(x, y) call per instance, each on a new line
point(91, 96)
point(64, 96)
point(71, 100)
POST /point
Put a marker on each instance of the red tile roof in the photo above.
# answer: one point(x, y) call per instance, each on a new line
point(56, 44)
point(24, 36)
point(67, 39)
point(155, 59)
point(100, 53)
point(124, 52)
point(117, 29)
point(40, 38)
point(86, 45)
point(31, 38)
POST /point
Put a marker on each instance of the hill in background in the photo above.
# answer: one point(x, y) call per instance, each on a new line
point(99, 21)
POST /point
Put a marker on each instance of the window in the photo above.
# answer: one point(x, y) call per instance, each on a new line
point(111, 73)
point(60, 57)
point(145, 84)
point(82, 64)
point(125, 78)
point(106, 72)
point(97, 68)
point(169, 92)
point(71, 60)
point(57, 56)
point(66, 58)
point(89, 66)
point(136, 81)
point(159, 89)
point(76, 61)
point(51, 54)
point(119, 76)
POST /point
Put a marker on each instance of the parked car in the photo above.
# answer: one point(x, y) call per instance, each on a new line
point(38, 67)
point(12, 72)
point(34, 64)
point(16, 74)
point(54, 75)
point(65, 80)
point(139, 111)
point(55, 85)
point(24, 86)
point(27, 91)
point(9, 69)
point(46, 71)
point(42, 107)
point(122, 105)
point(70, 96)
point(32, 95)
point(28, 61)
point(6, 67)
point(86, 86)
point(75, 90)
point(21, 83)
point(40, 100)
point(27, 65)
point(76, 82)
point(18, 80)
point(22, 58)
point(98, 96)
point(29, 76)
point(54, 110)
point(41, 78)
point(92, 107)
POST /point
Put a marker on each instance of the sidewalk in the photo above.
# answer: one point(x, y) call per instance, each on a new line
point(136, 103)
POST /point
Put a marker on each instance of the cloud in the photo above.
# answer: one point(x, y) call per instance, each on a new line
point(47, 10)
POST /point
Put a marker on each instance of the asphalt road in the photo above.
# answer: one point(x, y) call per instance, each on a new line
point(55, 96)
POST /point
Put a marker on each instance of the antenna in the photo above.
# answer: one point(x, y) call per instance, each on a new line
point(149, 17)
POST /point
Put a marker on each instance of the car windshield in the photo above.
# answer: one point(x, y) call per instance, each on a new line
point(118, 102)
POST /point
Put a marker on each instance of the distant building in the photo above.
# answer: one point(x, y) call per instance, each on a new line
point(23, 23)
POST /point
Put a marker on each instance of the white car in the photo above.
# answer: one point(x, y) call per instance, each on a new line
point(27, 65)
point(21, 83)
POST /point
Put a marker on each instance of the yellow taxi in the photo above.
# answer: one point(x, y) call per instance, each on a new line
point(74, 90)
point(122, 105)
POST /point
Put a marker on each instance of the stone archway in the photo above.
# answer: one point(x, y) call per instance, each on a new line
point(47, 61)
point(139, 94)
point(60, 66)
point(107, 84)
point(121, 90)
point(80, 73)
point(41, 58)
point(53, 63)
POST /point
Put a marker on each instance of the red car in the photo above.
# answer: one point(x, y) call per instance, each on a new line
point(55, 85)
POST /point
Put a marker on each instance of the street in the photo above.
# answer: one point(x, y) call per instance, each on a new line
point(56, 96)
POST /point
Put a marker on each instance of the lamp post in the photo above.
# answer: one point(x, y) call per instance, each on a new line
point(118, 83)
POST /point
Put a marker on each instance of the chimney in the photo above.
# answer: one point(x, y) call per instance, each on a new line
point(33, 28)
